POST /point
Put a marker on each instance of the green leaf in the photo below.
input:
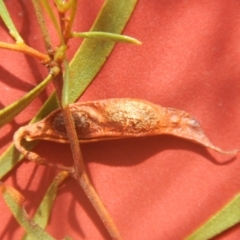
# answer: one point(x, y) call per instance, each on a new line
point(9, 112)
point(42, 214)
point(65, 89)
point(106, 36)
point(15, 202)
point(93, 53)
point(85, 65)
point(8, 22)
point(223, 220)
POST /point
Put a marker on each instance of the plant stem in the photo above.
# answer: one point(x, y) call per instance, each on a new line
point(62, 21)
point(83, 179)
point(79, 169)
point(80, 173)
point(43, 27)
point(22, 47)
point(49, 11)
point(73, 9)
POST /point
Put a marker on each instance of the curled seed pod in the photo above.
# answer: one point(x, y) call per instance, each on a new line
point(112, 119)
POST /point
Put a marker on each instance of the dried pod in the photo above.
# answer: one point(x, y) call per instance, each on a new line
point(115, 118)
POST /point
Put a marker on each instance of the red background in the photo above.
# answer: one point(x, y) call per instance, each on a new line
point(154, 188)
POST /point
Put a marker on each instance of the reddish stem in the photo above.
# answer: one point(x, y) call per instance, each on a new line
point(82, 178)
point(79, 169)
point(22, 47)
point(80, 173)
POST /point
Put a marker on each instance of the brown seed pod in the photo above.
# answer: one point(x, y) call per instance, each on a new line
point(112, 119)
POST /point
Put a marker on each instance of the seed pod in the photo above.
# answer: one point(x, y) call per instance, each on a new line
point(115, 118)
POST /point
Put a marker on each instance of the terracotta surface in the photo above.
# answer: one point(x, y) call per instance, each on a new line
point(157, 187)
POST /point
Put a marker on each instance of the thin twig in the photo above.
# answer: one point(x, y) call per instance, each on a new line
point(83, 179)
point(22, 47)
point(48, 9)
point(43, 27)
point(67, 33)
point(79, 169)
point(80, 173)
point(62, 21)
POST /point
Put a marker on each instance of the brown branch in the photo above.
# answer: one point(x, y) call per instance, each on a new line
point(73, 9)
point(43, 27)
point(80, 173)
point(82, 178)
point(79, 169)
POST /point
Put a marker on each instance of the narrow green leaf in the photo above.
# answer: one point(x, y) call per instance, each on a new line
point(42, 214)
point(85, 65)
point(8, 22)
point(65, 90)
point(223, 220)
point(15, 201)
point(106, 36)
point(93, 53)
point(9, 112)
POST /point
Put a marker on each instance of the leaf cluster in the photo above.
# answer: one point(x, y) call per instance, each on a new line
point(77, 75)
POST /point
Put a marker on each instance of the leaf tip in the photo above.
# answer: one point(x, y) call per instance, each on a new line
point(138, 42)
